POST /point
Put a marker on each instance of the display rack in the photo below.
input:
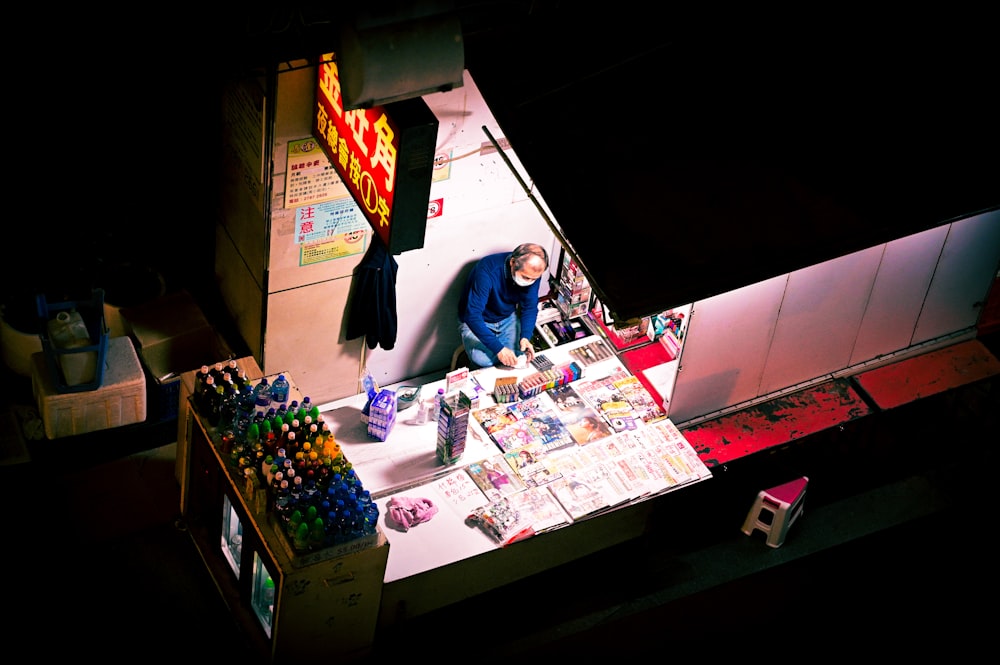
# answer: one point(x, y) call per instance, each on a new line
point(320, 604)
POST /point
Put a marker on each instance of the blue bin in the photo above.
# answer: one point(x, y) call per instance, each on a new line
point(92, 313)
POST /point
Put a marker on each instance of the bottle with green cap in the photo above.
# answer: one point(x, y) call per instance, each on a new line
point(300, 541)
point(267, 597)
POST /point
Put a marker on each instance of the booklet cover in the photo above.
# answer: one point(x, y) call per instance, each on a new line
point(529, 463)
point(578, 497)
point(539, 508)
point(495, 477)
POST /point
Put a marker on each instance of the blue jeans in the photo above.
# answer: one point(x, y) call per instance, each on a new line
point(506, 330)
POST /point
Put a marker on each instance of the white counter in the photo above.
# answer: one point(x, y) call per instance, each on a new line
point(446, 558)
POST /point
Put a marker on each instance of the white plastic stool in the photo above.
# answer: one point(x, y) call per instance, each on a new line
point(776, 509)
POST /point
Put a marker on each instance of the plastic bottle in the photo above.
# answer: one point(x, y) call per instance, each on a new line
point(267, 597)
point(213, 402)
point(199, 379)
point(262, 394)
point(279, 389)
point(438, 401)
point(301, 539)
point(204, 396)
point(228, 406)
point(67, 331)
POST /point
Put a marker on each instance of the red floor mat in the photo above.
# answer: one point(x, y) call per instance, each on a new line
point(928, 374)
point(776, 422)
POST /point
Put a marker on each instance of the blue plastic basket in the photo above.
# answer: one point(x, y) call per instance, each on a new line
point(92, 313)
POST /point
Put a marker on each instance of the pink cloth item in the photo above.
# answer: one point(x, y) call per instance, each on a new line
point(407, 512)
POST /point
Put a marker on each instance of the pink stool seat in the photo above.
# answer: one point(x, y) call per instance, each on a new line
point(776, 509)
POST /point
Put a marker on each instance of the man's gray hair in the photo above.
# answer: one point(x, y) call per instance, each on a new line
point(524, 250)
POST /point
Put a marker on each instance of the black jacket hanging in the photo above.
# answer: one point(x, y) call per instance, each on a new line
point(371, 310)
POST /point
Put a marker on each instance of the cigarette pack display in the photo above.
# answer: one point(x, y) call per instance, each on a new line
point(382, 414)
point(453, 427)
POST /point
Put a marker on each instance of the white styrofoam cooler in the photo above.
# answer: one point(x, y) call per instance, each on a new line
point(120, 400)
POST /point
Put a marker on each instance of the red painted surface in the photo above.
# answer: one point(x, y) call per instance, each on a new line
point(928, 374)
point(776, 422)
point(643, 357)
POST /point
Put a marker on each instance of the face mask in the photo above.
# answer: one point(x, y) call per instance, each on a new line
point(521, 281)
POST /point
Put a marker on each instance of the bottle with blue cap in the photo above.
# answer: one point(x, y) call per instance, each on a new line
point(280, 388)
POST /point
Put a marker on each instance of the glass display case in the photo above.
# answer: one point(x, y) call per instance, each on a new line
point(232, 536)
point(262, 594)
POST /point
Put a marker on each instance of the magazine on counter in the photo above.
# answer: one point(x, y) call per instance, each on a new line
point(641, 400)
point(531, 465)
point(540, 508)
point(578, 497)
point(495, 477)
point(607, 399)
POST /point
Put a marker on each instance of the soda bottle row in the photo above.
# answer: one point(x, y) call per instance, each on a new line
point(286, 449)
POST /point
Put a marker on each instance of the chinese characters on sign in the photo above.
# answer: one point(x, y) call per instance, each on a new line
point(328, 224)
point(310, 178)
point(362, 145)
point(322, 221)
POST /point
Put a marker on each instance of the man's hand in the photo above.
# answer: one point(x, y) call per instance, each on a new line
point(527, 349)
point(507, 357)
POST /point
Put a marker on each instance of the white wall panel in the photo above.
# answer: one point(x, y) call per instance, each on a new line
point(725, 347)
point(963, 277)
point(819, 318)
point(904, 273)
point(303, 338)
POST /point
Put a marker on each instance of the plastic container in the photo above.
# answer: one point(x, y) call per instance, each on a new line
point(68, 331)
point(75, 341)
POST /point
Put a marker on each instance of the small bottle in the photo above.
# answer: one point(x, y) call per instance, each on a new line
point(267, 599)
point(199, 378)
point(204, 398)
point(279, 389)
point(438, 401)
point(262, 394)
point(234, 371)
point(228, 406)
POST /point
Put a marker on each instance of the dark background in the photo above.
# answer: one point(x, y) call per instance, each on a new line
point(683, 153)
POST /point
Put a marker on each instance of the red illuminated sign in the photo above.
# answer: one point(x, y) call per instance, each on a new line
point(366, 146)
point(362, 145)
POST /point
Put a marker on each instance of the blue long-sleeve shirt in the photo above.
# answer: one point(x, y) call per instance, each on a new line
point(490, 295)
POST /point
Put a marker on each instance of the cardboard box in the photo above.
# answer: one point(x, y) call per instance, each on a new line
point(173, 337)
point(120, 400)
point(331, 606)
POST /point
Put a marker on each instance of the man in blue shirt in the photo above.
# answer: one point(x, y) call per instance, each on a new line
point(499, 305)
